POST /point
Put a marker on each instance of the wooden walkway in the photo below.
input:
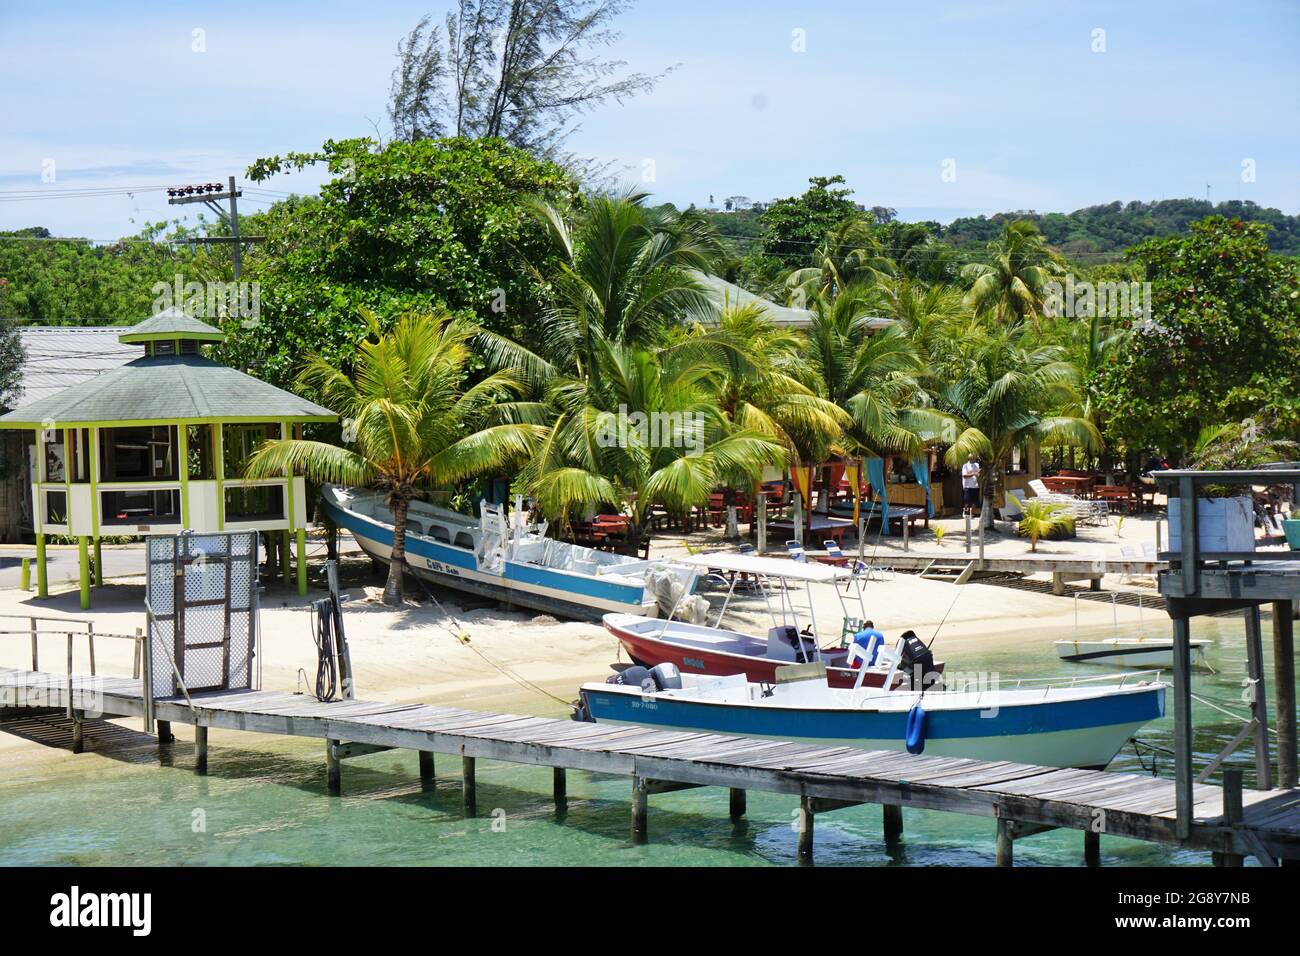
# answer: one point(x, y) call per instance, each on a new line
point(1023, 799)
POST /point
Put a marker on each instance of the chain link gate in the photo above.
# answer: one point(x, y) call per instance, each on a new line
point(201, 599)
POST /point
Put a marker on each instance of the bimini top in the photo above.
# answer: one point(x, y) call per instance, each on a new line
point(767, 567)
point(166, 389)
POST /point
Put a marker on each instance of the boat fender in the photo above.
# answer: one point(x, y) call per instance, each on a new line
point(666, 676)
point(915, 736)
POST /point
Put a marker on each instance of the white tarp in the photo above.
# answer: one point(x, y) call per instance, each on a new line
point(768, 567)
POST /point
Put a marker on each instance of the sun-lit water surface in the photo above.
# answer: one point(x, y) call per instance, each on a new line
point(263, 802)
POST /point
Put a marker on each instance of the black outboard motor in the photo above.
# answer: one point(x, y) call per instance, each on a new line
point(634, 676)
point(917, 661)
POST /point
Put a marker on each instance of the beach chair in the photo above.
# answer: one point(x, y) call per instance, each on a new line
point(1013, 509)
point(834, 556)
point(796, 550)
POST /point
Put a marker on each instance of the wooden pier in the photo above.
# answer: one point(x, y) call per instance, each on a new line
point(1022, 799)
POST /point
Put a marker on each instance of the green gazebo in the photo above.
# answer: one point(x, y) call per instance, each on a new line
point(158, 446)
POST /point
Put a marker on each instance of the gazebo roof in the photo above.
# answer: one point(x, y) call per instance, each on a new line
point(172, 324)
point(163, 389)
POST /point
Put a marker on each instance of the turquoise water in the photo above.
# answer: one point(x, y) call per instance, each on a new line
point(264, 803)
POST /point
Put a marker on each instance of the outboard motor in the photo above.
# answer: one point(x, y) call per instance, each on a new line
point(634, 676)
point(666, 676)
point(917, 661)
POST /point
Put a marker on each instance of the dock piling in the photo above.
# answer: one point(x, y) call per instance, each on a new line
point(736, 803)
point(78, 732)
point(1284, 682)
point(165, 732)
point(560, 785)
point(1232, 814)
point(427, 779)
point(893, 823)
point(640, 800)
point(1091, 848)
point(200, 749)
point(1005, 842)
point(470, 794)
point(806, 817)
point(333, 768)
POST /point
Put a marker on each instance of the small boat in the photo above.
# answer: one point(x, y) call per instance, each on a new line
point(502, 556)
point(1071, 723)
point(702, 649)
point(1129, 651)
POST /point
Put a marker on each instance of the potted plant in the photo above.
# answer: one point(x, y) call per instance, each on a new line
point(1225, 513)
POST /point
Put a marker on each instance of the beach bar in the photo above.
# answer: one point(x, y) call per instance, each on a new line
point(158, 446)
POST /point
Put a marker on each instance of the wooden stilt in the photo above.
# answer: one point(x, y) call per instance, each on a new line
point(1091, 848)
point(200, 749)
point(639, 805)
point(1182, 691)
point(165, 732)
point(806, 817)
point(78, 733)
point(1284, 686)
point(426, 770)
point(333, 769)
point(737, 803)
point(560, 784)
point(1005, 843)
point(1259, 704)
point(893, 819)
point(1232, 813)
point(469, 790)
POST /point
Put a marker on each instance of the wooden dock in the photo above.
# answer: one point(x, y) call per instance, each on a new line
point(1022, 799)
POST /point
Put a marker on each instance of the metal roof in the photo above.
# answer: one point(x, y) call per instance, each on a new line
point(62, 355)
point(165, 388)
point(723, 294)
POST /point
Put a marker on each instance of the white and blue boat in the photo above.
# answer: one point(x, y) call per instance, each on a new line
point(502, 557)
point(1070, 723)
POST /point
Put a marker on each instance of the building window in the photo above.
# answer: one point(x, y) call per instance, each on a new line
point(238, 442)
point(56, 507)
point(138, 453)
point(263, 503)
point(140, 507)
point(199, 439)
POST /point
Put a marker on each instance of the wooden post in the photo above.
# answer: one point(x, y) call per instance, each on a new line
point(200, 749)
point(1005, 843)
point(1284, 679)
point(967, 531)
point(798, 517)
point(165, 732)
point(1091, 848)
point(639, 806)
point(1232, 813)
point(78, 732)
point(333, 768)
point(893, 820)
point(761, 505)
point(1259, 701)
point(286, 565)
point(427, 780)
point(35, 650)
point(1183, 725)
point(26, 577)
point(469, 790)
point(99, 563)
point(560, 785)
point(806, 817)
point(736, 803)
point(136, 651)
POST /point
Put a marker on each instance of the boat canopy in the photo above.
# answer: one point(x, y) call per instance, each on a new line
point(768, 567)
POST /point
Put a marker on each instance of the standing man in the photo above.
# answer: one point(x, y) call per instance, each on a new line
point(970, 486)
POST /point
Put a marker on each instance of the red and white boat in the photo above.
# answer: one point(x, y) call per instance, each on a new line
point(720, 652)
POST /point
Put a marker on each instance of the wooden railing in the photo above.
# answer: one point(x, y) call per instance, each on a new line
point(70, 629)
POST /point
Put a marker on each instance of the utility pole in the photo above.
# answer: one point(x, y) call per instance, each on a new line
point(209, 194)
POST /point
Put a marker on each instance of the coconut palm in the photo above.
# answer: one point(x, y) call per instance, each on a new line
point(1042, 519)
point(1012, 284)
point(1008, 389)
point(643, 429)
point(620, 273)
point(416, 424)
point(848, 253)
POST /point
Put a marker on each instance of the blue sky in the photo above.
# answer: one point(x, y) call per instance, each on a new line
point(1012, 93)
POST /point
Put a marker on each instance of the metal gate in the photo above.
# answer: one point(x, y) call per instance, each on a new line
point(201, 597)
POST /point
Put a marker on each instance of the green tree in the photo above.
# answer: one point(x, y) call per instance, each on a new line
point(417, 424)
point(1012, 283)
point(1222, 342)
point(792, 228)
point(407, 227)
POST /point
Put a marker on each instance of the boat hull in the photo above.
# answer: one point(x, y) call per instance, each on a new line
point(519, 585)
point(650, 650)
point(1126, 653)
point(1078, 733)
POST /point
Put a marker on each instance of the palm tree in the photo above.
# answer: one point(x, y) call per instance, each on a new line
point(1008, 389)
point(624, 275)
point(1039, 519)
point(644, 428)
point(1013, 282)
point(848, 253)
point(417, 426)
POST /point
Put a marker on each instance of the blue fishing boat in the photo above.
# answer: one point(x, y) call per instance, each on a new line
point(500, 555)
point(1069, 723)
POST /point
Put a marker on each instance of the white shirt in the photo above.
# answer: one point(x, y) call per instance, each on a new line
point(970, 474)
